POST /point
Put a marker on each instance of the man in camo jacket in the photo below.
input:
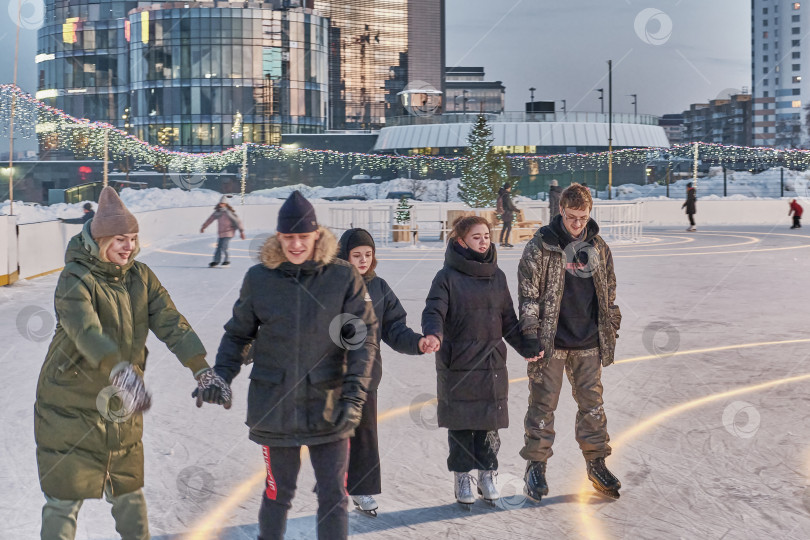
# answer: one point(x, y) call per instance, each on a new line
point(567, 294)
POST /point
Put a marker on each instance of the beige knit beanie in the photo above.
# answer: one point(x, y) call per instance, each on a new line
point(112, 217)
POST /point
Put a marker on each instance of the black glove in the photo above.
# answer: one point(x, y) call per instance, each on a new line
point(133, 393)
point(530, 346)
point(349, 415)
point(351, 406)
point(211, 388)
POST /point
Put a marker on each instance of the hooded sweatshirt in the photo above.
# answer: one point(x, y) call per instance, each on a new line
point(578, 323)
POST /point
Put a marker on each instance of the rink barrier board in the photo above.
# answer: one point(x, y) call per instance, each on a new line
point(37, 249)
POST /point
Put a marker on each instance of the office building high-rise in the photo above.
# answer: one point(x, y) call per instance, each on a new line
point(780, 66)
point(203, 76)
point(191, 78)
point(376, 49)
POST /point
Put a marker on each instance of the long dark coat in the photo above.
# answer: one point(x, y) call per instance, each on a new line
point(691, 201)
point(470, 310)
point(296, 317)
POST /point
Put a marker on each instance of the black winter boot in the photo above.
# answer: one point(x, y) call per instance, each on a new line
point(535, 478)
point(603, 480)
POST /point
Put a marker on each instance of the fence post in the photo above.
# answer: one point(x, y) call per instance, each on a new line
point(725, 185)
point(669, 170)
point(782, 182)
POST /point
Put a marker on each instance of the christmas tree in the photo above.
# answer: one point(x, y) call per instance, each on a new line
point(483, 172)
point(403, 213)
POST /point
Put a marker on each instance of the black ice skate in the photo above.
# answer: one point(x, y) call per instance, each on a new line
point(603, 480)
point(535, 478)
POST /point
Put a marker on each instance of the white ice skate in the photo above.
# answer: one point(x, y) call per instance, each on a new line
point(463, 489)
point(691, 229)
point(486, 486)
point(366, 504)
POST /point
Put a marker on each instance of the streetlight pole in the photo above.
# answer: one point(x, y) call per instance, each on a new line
point(564, 108)
point(464, 101)
point(601, 99)
point(635, 104)
point(531, 90)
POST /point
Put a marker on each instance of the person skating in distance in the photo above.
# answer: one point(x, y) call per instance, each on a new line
point(87, 215)
point(88, 416)
point(468, 314)
point(506, 209)
point(567, 303)
point(797, 210)
point(691, 206)
point(227, 225)
point(364, 480)
point(311, 322)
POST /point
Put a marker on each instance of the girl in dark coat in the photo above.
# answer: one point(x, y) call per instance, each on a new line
point(469, 311)
point(691, 205)
point(363, 479)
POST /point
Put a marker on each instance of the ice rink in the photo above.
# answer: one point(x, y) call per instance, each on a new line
point(707, 406)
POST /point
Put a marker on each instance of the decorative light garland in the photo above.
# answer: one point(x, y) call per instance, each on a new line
point(86, 138)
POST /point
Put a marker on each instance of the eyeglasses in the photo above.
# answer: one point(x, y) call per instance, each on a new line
point(582, 220)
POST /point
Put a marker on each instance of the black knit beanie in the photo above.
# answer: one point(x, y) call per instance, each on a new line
point(297, 215)
point(357, 238)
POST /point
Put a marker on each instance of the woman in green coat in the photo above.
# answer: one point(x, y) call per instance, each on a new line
point(88, 416)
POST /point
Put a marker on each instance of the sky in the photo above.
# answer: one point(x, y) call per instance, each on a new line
point(671, 53)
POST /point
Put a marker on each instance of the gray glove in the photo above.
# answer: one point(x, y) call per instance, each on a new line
point(133, 392)
point(211, 388)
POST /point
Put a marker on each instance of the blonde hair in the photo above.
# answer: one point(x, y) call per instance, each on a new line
point(105, 242)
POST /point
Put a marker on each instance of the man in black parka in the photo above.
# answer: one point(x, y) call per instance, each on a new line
point(312, 326)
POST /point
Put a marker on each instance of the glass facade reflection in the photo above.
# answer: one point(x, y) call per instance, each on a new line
point(195, 79)
point(368, 60)
point(215, 77)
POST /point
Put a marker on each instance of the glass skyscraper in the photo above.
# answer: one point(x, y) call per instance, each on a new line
point(201, 77)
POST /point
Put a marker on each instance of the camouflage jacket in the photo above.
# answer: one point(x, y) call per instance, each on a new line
point(541, 280)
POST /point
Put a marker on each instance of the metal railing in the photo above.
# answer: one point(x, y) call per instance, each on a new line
point(517, 116)
point(617, 220)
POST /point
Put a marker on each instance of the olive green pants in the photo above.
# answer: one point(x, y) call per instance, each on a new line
point(584, 370)
point(129, 510)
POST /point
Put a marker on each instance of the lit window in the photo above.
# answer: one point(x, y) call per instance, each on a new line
point(797, 79)
point(764, 35)
point(797, 103)
point(797, 5)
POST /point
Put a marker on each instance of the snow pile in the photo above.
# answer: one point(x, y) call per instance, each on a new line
point(424, 190)
point(740, 186)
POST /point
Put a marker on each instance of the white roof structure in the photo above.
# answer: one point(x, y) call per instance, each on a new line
point(559, 134)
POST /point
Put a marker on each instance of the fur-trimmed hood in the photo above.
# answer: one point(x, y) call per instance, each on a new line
point(326, 248)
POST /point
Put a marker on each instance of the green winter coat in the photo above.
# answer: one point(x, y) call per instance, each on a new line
point(104, 313)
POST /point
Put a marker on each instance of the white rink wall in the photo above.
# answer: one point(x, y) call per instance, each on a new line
point(38, 248)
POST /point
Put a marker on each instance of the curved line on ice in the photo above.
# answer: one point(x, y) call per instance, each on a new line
point(591, 527)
